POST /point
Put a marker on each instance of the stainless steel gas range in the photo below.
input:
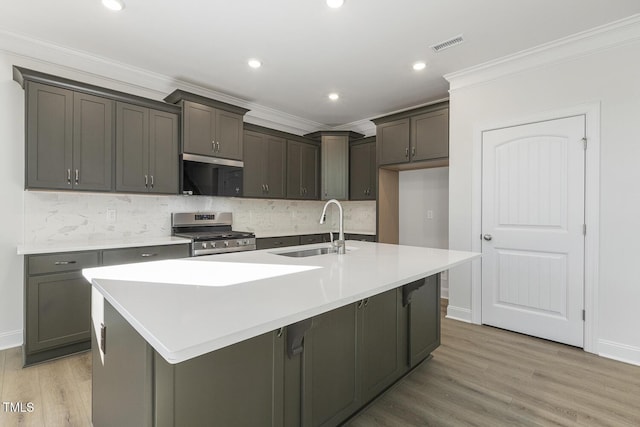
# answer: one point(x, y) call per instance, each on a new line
point(211, 233)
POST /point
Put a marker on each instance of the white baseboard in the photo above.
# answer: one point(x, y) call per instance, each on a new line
point(457, 313)
point(10, 339)
point(620, 352)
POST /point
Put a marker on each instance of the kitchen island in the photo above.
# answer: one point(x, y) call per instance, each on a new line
point(261, 338)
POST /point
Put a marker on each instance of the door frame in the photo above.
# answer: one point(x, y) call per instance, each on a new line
point(591, 111)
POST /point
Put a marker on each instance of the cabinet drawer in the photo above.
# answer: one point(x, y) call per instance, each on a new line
point(145, 253)
point(277, 242)
point(57, 263)
point(308, 239)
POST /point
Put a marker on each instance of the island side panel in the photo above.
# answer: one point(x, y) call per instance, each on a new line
point(242, 384)
point(424, 320)
point(121, 376)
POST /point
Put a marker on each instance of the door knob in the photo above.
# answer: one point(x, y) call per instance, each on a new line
point(487, 237)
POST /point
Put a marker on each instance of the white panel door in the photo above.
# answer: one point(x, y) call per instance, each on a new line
point(532, 225)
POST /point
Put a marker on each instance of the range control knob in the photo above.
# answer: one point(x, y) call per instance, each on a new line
point(204, 245)
point(226, 243)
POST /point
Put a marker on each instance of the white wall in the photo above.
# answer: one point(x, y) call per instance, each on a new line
point(608, 76)
point(29, 217)
point(421, 191)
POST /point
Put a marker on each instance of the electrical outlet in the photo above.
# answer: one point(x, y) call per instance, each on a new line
point(429, 214)
point(111, 215)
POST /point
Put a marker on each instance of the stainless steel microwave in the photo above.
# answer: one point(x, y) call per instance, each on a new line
point(211, 176)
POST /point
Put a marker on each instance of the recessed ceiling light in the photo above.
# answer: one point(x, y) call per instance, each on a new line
point(113, 4)
point(334, 96)
point(335, 3)
point(255, 63)
point(419, 66)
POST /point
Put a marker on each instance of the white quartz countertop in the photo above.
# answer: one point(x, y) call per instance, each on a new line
point(188, 307)
point(98, 244)
point(263, 234)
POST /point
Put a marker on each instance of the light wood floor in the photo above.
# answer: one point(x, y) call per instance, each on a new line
point(479, 376)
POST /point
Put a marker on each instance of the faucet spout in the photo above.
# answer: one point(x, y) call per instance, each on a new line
point(339, 244)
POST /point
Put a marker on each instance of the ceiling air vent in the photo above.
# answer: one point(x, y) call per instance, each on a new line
point(447, 43)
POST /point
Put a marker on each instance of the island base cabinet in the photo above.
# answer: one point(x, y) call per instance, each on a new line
point(423, 319)
point(241, 385)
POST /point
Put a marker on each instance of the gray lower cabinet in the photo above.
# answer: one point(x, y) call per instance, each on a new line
point(423, 307)
point(362, 171)
point(277, 242)
point(146, 150)
point(58, 297)
point(303, 167)
point(308, 239)
point(264, 165)
point(69, 139)
point(57, 305)
point(144, 253)
point(360, 237)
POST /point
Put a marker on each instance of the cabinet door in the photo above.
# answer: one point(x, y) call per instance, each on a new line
point(276, 159)
point(254, 180)
point(424, 320)
point(239, 385)
point(362, 172)
point(330, 380)
point(381, 352)
point(92, 143)
point(199, 129)
point(49, 136)
point(310, 168)
point(132, 148)
point(163, 152)
point(58, 310)
point(294, 170)
point(393, 141)
point(228, 134)
point(335, 167)
point(430, 135)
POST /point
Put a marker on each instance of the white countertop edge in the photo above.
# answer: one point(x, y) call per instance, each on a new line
point(185, 354)
point(87, 245)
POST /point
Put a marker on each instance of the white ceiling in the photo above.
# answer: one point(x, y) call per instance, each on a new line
point(364, 51)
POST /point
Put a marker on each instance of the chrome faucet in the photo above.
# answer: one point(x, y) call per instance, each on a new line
point(338, 245)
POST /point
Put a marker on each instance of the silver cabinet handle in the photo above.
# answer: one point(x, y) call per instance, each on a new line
point(267, 185)
point(413, 152)
point(218, 145)
point(406, 152)
point(151, 181)
point(64, 262)
point(213, 146)
point(264, 188)
point(69, 176)
point(146, 180)
point(77, 176)
point(279, 333)
point(360, 304)
point(487, 237)
point(148, 255)
point(366, 302)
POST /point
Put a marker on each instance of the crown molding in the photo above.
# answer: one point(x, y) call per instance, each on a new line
point(587, 42)
point(96, 70)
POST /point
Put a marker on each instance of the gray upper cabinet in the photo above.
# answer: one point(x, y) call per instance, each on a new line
point(413, 136)
point(210, 128)
point(430, 135)
point(212, 132)
point(146, 150)
point(69, 139)
point(303, 163)
point(264, 165)
point(393, 141)
point(335, 167)
point(362, 171)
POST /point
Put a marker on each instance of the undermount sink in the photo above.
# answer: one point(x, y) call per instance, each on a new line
point(306, 252)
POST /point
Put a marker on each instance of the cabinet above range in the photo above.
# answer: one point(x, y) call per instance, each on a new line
point(209, 127)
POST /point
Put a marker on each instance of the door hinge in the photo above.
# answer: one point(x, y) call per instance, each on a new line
point(584, 142)
point(584, 315)
point(584, 229)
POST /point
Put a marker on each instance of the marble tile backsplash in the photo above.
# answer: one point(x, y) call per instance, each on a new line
point(70, 216)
